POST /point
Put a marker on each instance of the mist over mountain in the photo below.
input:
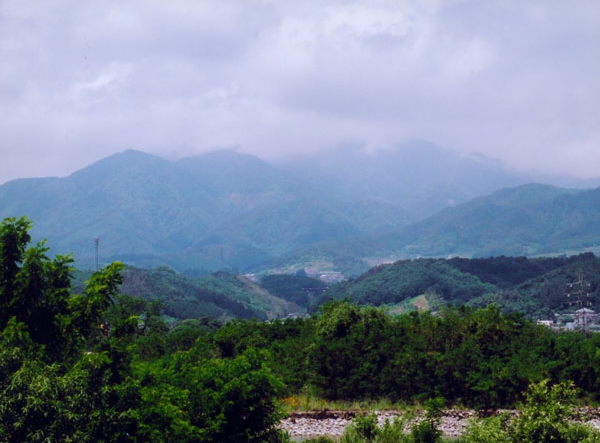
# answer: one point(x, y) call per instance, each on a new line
point(226, 210)
point(419, 176)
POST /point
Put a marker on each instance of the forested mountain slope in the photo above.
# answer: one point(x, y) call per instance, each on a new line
point(218, 211)
point(536, 287)
point(346, 212)
point(220, 296)
point(526, 220)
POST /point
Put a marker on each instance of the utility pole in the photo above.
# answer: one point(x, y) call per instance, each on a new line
point(97, 244)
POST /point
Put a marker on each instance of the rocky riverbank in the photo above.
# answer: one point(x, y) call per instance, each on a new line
point(304, 425)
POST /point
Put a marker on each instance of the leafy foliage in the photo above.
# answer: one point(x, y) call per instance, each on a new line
point(108, 375)
point(229, 400)
point(546, 415)
point(474, 357)
point(365, 429)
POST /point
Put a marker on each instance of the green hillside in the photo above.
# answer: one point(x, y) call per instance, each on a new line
point(533, 286)
point(217, 211)
point(220, 295)
point(529, 220)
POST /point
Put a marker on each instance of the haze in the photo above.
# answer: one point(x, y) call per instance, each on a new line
point(515, 80)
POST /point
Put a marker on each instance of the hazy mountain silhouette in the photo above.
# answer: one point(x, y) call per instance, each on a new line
point(418, 176)
point(227, 210)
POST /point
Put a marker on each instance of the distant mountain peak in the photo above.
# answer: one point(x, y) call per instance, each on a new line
point(228, 209)
point(123, 162)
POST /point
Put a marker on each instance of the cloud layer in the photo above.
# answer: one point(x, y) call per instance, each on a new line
point(512, 79)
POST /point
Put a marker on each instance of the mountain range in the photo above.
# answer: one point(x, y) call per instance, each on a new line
point(342, 210)
point(527, 220)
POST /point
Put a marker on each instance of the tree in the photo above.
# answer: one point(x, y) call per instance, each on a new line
point(89, 367)
point(547, 415)
point(351, 349)
point(34, 289)
point(188, 398)
point(14, 237)
point(49, 389)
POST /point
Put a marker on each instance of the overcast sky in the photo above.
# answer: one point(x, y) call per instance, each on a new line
point(517, 80)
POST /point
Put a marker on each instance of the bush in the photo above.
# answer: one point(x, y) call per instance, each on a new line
point(546, 416)
point(426, 431)
point(394, 432)
point(490, 430)
point(366, 426)
point(365, 429)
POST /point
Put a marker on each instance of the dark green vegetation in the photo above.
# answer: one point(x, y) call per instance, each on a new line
point(99, 367)
point(365, 429)
point(535, 287)
point(234, 212)
point(95, 365)
point(219, 295)
point(298, 289)
point(477, 358)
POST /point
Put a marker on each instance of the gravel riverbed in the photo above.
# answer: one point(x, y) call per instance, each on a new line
point(304, 425)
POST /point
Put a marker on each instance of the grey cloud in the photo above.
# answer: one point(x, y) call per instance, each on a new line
point(511, 79)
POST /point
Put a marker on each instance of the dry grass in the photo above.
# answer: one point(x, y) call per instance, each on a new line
point(305, 402)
